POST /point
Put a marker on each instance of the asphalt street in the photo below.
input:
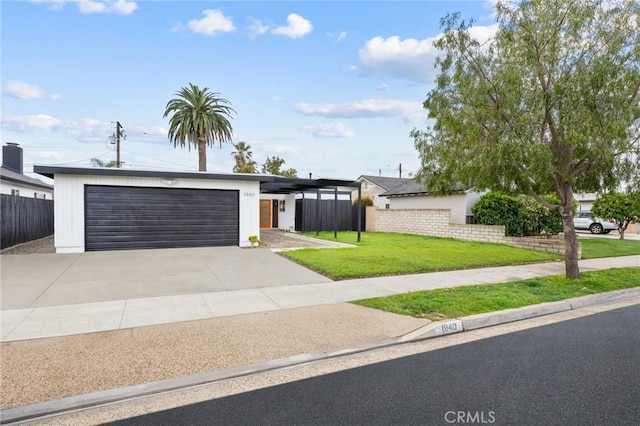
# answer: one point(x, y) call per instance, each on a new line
point(577, 372)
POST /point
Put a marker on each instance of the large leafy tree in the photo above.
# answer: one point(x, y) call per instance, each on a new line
point(624, 208)
point(274, 165)
point(199, 117)
point(244, 158)
point(550, 104)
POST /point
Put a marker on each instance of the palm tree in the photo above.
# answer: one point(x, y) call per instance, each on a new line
point(96, 162)
point(199, 117)
point(244, 158)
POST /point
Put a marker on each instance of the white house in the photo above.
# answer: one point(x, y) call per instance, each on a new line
point(113, 208)
point(373, 186)
point(413, 195)
point(14, 182)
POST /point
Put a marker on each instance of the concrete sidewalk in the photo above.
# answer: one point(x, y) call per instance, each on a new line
point(51, 321)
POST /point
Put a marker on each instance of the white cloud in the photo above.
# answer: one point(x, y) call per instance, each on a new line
point(296, 27)
point(341, 36)
point(22, 90)
point(409, 58)
point(284, 149)
point(48, 154)
point(83, 130)
point(331, 130)
point(257, 28)
point(366, 108)
point(31, 122)
point(53, 4)
point(213, 22)
point(120, 7)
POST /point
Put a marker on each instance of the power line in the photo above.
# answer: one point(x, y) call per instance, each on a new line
point(157, 159)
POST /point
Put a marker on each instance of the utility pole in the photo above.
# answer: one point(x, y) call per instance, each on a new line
point(400, 170)
point(119, 134)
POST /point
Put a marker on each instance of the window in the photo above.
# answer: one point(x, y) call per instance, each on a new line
point(15, 192)
point(35, 195)
point(387, 206)
point(281, 205)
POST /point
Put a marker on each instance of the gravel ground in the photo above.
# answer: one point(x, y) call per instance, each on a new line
point(46, 369)
point(43, 245)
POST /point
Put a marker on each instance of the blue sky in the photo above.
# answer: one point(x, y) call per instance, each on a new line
point(334, 88)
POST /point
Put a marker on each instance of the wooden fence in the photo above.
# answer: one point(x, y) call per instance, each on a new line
point(311, 217)
point(24, 219)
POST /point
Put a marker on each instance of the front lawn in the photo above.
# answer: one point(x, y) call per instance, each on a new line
point(462, 301)
point(608, 247)
point(382, 253)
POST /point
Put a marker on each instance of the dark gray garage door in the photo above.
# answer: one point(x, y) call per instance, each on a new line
point(118, 217)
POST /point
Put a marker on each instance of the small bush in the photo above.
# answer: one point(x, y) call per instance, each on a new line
point(521, 216)
point(538, 219)
point(495, 208)
point(365, 200)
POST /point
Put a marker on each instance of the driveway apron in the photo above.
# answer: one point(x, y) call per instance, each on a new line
point(32, 281)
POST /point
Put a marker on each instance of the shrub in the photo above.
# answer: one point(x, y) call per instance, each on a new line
point(365, 200)
point(538, 219)
point(495, 208)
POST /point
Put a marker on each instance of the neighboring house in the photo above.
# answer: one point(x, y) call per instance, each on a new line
point(114, 208)
point(373, 186)
point(413, 195)
point(14, 182)
point(585, 201)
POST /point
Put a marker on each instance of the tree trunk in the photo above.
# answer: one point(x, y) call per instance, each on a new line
point(572, 270)
point(202, 155)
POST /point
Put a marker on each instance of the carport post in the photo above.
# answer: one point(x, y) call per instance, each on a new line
point(359, 209)
point(335, 213)
point(318, 199)
point(301, 213)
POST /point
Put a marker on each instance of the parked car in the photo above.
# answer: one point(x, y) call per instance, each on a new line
point(596, 225)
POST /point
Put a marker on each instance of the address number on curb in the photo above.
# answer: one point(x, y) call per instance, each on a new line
point(449, 327)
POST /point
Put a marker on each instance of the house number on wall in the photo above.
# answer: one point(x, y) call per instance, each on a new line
point(249, 194)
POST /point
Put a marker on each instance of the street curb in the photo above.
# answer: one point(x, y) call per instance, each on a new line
point(473, 322)
point(60, 406)
point(433, 330)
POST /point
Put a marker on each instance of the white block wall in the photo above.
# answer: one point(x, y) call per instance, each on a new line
point(436, 223)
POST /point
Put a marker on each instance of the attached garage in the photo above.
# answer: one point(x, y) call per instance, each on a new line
point(100, 208)
point(120, 218)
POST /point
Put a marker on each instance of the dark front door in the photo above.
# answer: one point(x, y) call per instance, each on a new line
point(119, 217)
point(274, 218)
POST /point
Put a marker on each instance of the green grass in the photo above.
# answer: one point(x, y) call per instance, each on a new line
point(461, 301)
point(383, 253)
point(607, 247)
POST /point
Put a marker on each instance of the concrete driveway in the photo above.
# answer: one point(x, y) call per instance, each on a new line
point(38, 280)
